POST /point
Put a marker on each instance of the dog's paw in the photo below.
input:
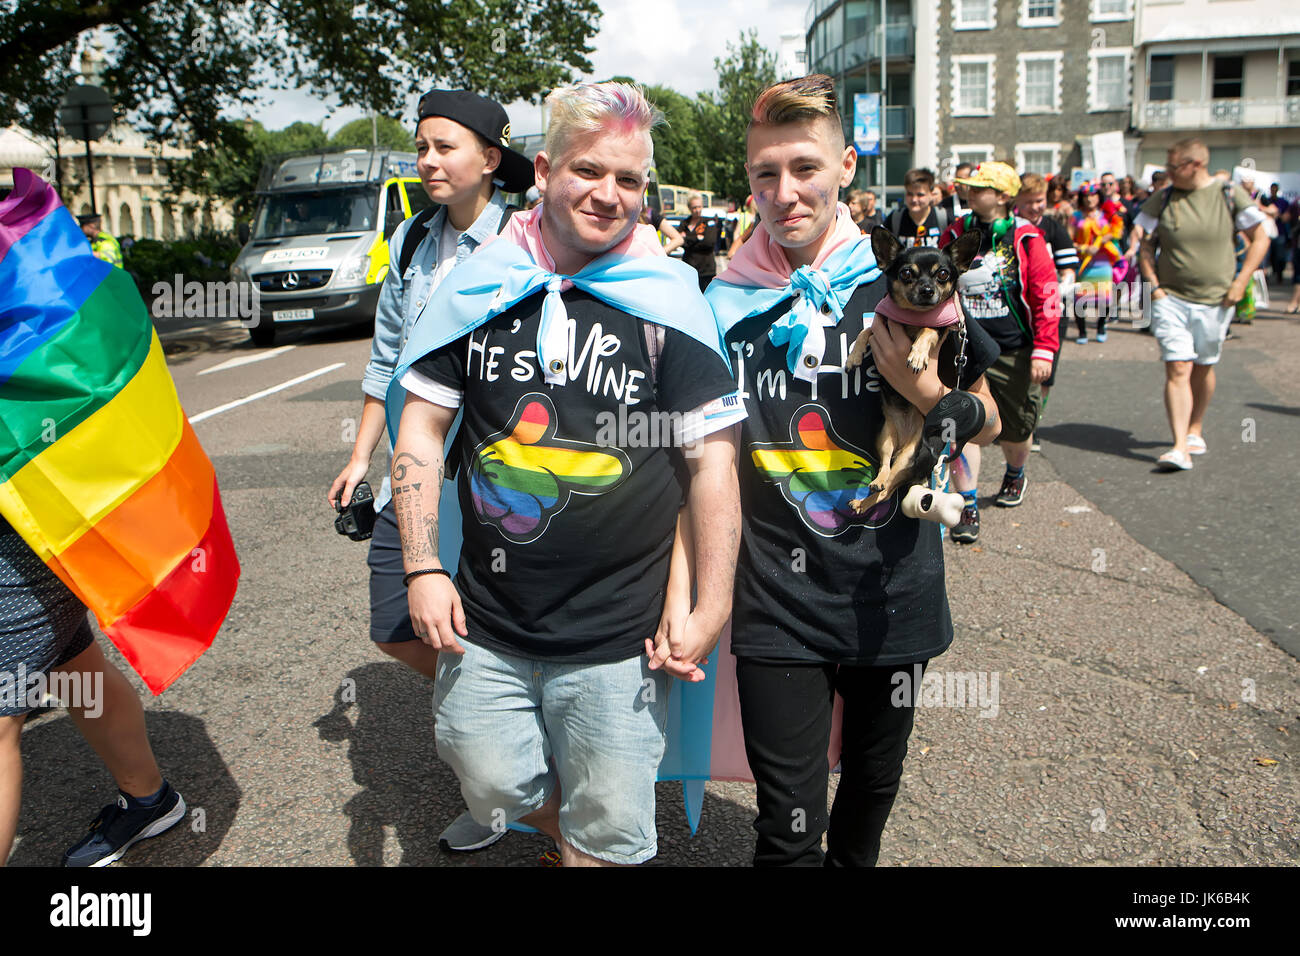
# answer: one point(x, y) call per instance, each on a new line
point(859, 505)
point(917, 361)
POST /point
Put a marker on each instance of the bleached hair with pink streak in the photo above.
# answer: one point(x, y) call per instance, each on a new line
point(595, 107)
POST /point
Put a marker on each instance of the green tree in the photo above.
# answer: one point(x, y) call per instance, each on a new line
point(176, 67)
point(360, 133)
point(723, 117)
point(679, 151)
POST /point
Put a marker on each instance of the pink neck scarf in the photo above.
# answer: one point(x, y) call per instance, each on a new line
point(941, 316)
point(525, 230)
point(763, 263)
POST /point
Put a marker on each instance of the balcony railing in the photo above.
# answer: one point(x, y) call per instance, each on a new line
point(900, 43)
point(898, 122)
point(1245, 113)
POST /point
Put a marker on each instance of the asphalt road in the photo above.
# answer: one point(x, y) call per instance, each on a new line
point(1137, 714)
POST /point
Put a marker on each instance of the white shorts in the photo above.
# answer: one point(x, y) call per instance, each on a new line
point(1189, 331)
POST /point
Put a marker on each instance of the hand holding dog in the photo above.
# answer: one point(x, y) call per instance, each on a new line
point(436, 612)
point(890, 345)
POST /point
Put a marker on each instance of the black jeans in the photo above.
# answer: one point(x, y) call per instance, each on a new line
point(786, 709)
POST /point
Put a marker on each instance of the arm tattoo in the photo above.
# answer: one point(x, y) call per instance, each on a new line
point(404, 461)
point(431, 533)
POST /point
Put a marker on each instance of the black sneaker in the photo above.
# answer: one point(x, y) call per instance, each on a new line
point(967, 530)
point(117, 829)
point(1012, 491)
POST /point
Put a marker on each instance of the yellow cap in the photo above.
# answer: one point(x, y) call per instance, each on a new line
point(997, 176)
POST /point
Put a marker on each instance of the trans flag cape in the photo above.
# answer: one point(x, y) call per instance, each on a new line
point(709, 744)
point(100, 471)
point(638, 278)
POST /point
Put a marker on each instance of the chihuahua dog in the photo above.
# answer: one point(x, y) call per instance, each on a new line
point(921, 282)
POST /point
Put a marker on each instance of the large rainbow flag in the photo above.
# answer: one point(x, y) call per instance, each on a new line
point(100, 471)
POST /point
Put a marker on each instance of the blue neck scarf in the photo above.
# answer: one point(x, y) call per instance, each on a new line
point(655, 289)
point(819, 297)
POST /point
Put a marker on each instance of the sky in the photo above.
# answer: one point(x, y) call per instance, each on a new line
point(671, 42)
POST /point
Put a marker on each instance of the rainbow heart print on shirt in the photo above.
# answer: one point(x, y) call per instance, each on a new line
point(523, 476)
point(819, 474)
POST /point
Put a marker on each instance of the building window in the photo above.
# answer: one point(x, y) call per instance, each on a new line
point(1104, 10)
point(973, 154)
point(1039, 82)
point(1227, 77)
point(144, 167)
point(1160, 78)
point(1108, 73)
point(1293, 78)
point(1040, 13)
point(972, 85)
point(1039, 158)
point(974, 14)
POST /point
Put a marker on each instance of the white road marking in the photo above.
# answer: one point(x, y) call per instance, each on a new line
point(248, 359)
point(208, 327)
point(195, 419)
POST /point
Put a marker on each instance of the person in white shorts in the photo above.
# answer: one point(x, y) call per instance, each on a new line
point(1195, 284)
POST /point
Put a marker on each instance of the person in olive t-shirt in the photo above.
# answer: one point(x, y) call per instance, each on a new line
point(827, 600)
point(1195, 284)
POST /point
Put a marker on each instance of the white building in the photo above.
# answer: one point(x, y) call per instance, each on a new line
point(792, 60)
point(1227, 71)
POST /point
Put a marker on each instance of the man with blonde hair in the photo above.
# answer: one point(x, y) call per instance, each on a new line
point(827, 600)
point(570, 342)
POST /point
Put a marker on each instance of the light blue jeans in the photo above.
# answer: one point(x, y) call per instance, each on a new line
point(515, 728)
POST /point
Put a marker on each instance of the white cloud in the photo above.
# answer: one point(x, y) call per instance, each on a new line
point(669, 42)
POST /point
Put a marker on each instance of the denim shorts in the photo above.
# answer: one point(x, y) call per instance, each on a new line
point(390, 612)
point(515, 728)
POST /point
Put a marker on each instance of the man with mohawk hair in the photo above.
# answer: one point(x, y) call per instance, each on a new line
point(547, 707)
point(827, 601)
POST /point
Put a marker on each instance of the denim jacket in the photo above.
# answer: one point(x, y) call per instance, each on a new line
point(403, 296)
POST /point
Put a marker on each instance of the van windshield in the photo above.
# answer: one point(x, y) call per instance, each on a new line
point(313, 212)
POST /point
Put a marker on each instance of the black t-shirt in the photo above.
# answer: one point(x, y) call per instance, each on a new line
point(902, 225)
point(990, 288)
point(1059, 243)
point(568, 516)
point(815, 581)
point(701, 242)
point(869, 222)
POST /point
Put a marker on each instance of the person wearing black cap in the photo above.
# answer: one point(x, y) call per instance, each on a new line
point(463, 145)
point(103, 245)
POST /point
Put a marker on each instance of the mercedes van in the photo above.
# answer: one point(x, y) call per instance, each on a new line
point(317, 249)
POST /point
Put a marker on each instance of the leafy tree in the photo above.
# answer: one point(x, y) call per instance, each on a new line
point(743, 73)
point(360, 133)
point(174, 67)
point(679, 151)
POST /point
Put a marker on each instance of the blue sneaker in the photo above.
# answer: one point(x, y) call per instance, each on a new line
point(118, 828)
point(1101, 336)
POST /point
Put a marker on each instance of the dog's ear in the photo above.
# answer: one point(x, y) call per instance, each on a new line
point(885, 245)
point(964, 249)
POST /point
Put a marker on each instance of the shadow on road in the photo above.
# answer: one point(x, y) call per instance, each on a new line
point(1103, 438)
point(1275, 409)
point(65, 785)
point(388, 724)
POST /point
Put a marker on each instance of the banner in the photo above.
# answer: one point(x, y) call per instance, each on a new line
point(866, 123)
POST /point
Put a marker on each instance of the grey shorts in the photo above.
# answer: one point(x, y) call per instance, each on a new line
point(42, 624)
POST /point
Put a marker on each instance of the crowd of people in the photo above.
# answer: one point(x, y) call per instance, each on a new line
point(553, 585)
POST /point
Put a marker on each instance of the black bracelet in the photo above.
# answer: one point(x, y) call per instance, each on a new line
point(415, 574)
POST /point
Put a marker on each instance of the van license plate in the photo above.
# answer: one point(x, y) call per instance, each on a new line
point(294, 315)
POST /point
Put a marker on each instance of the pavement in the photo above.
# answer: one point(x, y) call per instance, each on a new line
point(1146, 711)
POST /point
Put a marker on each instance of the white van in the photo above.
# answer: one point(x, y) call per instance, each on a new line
point(318, 246)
